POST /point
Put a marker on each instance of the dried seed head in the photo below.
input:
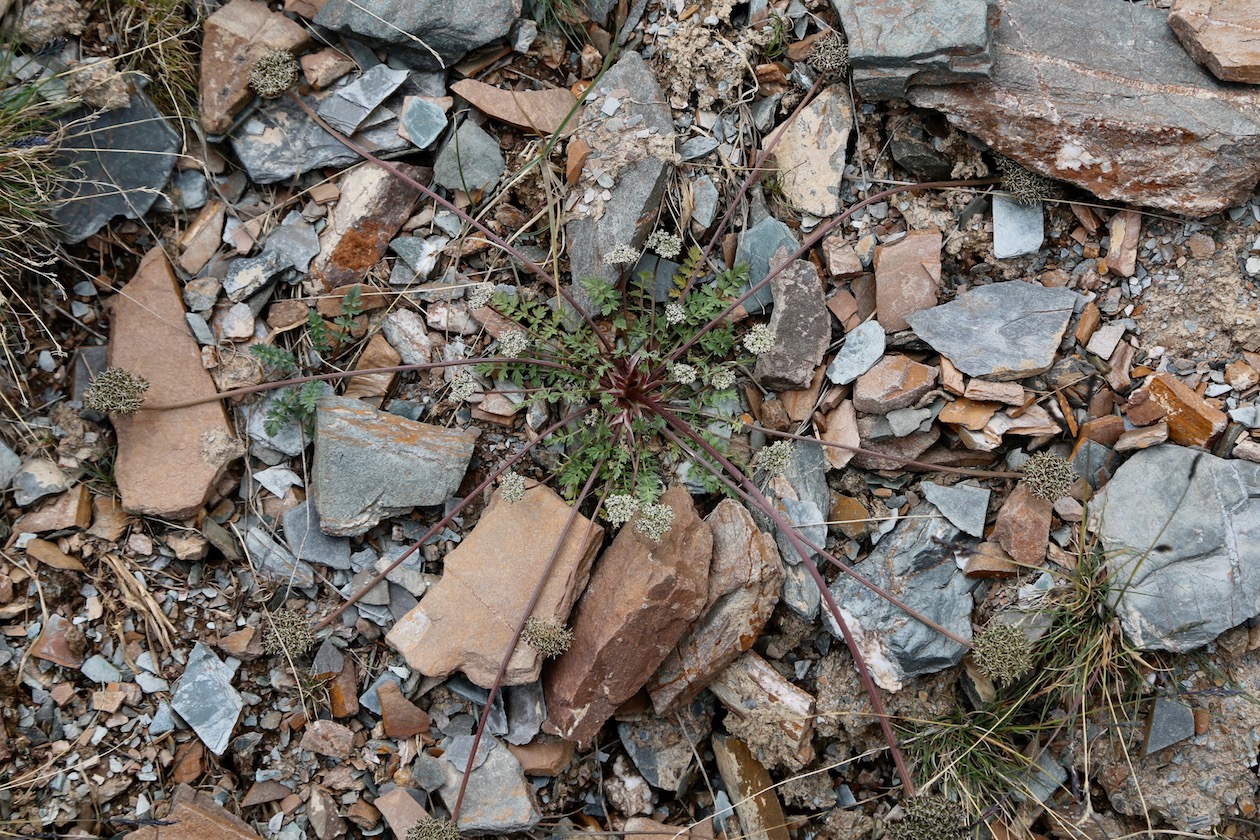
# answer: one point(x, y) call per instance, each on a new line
point(1049, 477)
point(512, 486)
point(929, 818)
point(621, 255)
point(116, 392)
point(1002, 651)
point(433, 830)
point(547, 637)
point(289, 632)
point(620, 508)
point(1026, 186)
point(666, 244)
point(830, 55)
point(776, 457)
point(273, 74)
point(654, 521)
point(759, 340)
point(674, 313)
point(721, 379)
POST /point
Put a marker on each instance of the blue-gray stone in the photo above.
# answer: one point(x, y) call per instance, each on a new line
point(965, 506)
point(295, 242)
point(863, 346)
point(906, 421)
point(697, 147)
point(121, 160)
point(912, 565)
point(290, 439)
point(526, 711)
point(1018, 229)
point(274, 562)
point(206, 700)
point(36, 479)
point(758, 246)
point(470, 160)
point(1169, 722)
point(370, 700)
point(200, 329)
point(349, 104)
point(1094, 462)
point(10, 463)
point(99, 670)
point(1181, 532)
point(498, 799)
point(662, 748)
point(1041, 780)
point(428, 34)
point(424, 122)
point(307, 542)
point(1002, 331)
point(705, 195)
point(163, 720)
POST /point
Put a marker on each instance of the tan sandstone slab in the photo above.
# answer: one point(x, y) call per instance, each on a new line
point(168, 461)
point(539, 111)
point(1222, 35)
point(467, 620)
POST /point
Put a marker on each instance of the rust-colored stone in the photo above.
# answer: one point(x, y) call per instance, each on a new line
point(907, 277)
point(851, 516)
point(1023, 526)
point(371, 210)
point(1105, 430)
point(990, 561)
point(377, 354)
point(841, 427)
point(546, 755)
point(967, 413)
point(401, 717)
point(196, 815)
point(1142, 410)
point(894, 382)
point(1191, 420)
point(1126, 229)
point(1222, 35)
point(190, 762)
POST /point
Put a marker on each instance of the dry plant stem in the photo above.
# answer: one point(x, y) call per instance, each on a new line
point(798, 543)
point(516, 636)
point(446, 520)
point(511, 249)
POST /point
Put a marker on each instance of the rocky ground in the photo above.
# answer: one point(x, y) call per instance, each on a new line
point(160, 569)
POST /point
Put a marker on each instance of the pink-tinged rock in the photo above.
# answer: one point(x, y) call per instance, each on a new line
point(538, 111)
point(980, 390)
point(841, 427)
point(400, 716)
point(907, 277)
point(236, 36)
point(1222, 35)
point(642, 598)
point(203, 237)
point(1192, 420)
point(467, 620)
point(843, 262)
point(324, 67)
point(1119, 110)
point(401, 808)
point(1126, 228)
point(60, 642)
point(810, 153)
point(168, 461)
point(744, 582)
point(1023, 526)
point(326, 737)
point(895, 382)
point(371, 387)
point(370, 212)
point(196, 815)
point(750, 789)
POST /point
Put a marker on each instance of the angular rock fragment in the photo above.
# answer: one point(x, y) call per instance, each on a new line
point(1222, 35)
point(498, 799)
point(349, 105)
point(1192, 421)
point(663, 748)
point(370, 465)
point(467, 620)
point(206, 700)
point(749, 786)
point(895, 382)
point(469, 161)
point(429, 34)
point(774, 716)
point(810, 153)
point(907, 277)
point(801, 328)
point(196, 814)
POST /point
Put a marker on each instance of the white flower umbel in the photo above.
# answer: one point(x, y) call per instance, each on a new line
point(463, 386)
point(513, 343)
point(759, 340)
point(721, 379)
point(776, 457)
point(683, 374)
point(665, 244)
point(479, 295)
point(621, 255)
point(674, 313)
point(620, 508)
point(654, 521)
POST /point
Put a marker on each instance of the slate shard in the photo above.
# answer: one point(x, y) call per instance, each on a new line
point(206, 700)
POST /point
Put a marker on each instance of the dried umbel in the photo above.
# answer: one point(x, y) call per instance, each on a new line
point(116, 392)
point(512, 486)
point(547, 637)
point(1002, 651)
point(1026, 186)
point(433, 830)
point(830, 55)
point(273, 74)
point(289, 632)
point(1048, 476)
point(929, 818)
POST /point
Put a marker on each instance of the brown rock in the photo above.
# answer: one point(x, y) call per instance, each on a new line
point(190, 762)
point(370, 299)
point(967, 413)
point(750, 789)
point(467, 620)
point(401, 717)
point(1023, 526)
point(196, 815)
point(377, 354)
point(60, 642)
point(236, 36)
point(371, 210)
point(1105, 430)
point(325, 66)
point(895, 382)
point(1191, 421)
point(324, 737)
point(1222, 35)
point(642, 598)
point(283, 314)
point(538, 111)
point(1240, 375)
point(745, 577)
point(168, 462)
point(990, 561)
point(951, 377)
point(401, 808)
point(1090, 319)
point(841, 427)
point(546, 755)
point(363, 814)
point(1142, 438)
point(800, 403)
point(843, 262)
point(575, 159)
point(72, 509)
point(1126, 228)
point(851, 517)
point(321, 808)
point(1142, 410)
point(810, 152)
point(109, 520)
point(260, 793)
point(980, 390)
point(1201, 246)
point(343, 691)
point(203, 237)
point(845, 307)
point(907, 277)
point(50, 555)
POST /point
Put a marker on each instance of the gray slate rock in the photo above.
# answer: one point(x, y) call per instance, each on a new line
point(930, 41)
point(1169, 722)
point(758, 247)
point(806, 476)
point(424, 122)
point(10, 463)
point(350, 104)
point(966, 507)
point(370, 465)
point(1002, 331)
point(470, 160)
point(274, 562)
point(307, 542)
point(911, 566)
point(100, 670)
point(526, 709)
point(206, 700)
point(697, 147)
point(427, 34)
point(123, 159)
point(1093, 105)
point(1206, 580)
point(1018, 229)
point(279, 141)
point(705, 194)
point(863, 347)
point(498, 800)
point(295, 242)
point(36, 479)
point(663, 748)
point(247, 275)
point(801, 325)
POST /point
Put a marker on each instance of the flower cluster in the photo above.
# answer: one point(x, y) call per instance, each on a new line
point(622, 255)
point(683, 374)
point(721, 379)
point(513, 343)
point(620, 508)
point(463, 386)
point(775, 458)
point(479, 295)
point(759, 340)
point(666, 244)
point(674, 313)
point(654, 521)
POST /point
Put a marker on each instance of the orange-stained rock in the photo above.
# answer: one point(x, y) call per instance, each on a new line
point(967, 413)
point(401, 717)
point(72, 509)
point(1023, 526)
point(536, 111)
point(990, 561)
point(203, 237)
point(196, 815)
point(60, 642)
point(642, 598)
point(236, 36)
point(546, 755)
point(325, 737)
point(1126, 229)
point(907, 277)
point(851, 517)
point(190, 762)
point(401, 808)
point(1105, 430)
point(377, 354)
point(841, 428)
point(981, 390)
point(1191, 421)
point(1222, 35)
point(895, 382)
point(168, 461)
point(750, 789)
point(1142, 410)
point(466, 621)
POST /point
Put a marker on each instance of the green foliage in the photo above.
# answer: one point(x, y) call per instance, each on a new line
point(275, 359)
point(294, 403)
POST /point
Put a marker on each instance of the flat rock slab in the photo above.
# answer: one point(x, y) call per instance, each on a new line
point(750, 789)
point(373, 206)
point(863, 347)
point(965, 506)
point(663, 748)
point(801, 326)
point(764, 246)
point(744, 581)
point(810, 154)
point(236, 36)
point(537, 111)
point(907, 277)
point(427, 34)
point(1222, 35)
point(467, 620)
point(370, 465)
point(1018, 228)
point(499, 800)
point(206, 700)
point(1119, 110)
point(195, 814)
point(1002, 331)
point(642, 598)
point(1183, 527)
point(913, 566)
point(168, 461)
point(470, 160)
point(892, 44)
point(122, 159)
